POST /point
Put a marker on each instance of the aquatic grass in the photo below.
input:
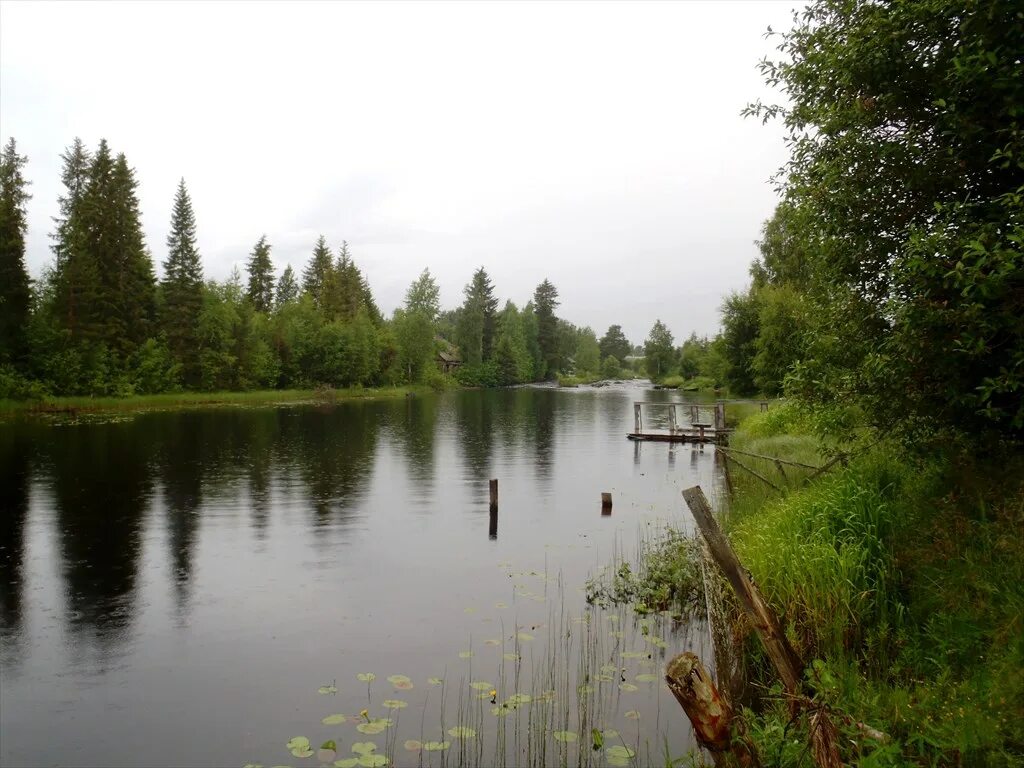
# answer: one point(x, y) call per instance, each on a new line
point(184, 400)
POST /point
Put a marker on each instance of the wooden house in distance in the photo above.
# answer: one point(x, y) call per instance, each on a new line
point(448, 361)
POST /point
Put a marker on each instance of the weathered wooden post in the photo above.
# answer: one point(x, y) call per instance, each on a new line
point(764, 406)
point(694, 414)
point(492, 527)
point(719, 416)
point(606, 503)
point(637, 420)
point(671, 419)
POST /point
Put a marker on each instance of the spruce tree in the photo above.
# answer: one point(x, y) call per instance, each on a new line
point(317, 277)
point(261, 276)
point(132, 280)
point(14, 282)
point(545, 299)
point(287, 287)
point(183, 288)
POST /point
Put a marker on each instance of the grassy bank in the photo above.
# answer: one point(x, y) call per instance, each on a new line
point(199, 399)
point(900, 581)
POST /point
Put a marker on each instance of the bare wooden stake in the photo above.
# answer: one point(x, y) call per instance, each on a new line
point(606, 503)
point(494, 495)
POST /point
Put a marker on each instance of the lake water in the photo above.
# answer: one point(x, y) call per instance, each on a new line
point(175, 587)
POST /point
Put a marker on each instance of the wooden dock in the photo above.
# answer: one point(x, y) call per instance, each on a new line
point(695, 431)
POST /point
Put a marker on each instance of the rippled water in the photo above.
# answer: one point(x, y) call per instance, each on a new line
point(176, 586)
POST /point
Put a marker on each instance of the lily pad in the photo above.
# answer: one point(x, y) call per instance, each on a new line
point(326, 755)
point(524, 637)
point(481, 685)
point(565, 736)
point(373, 761)
point(633, 714)
point(646, 677)
point(500, 604)
point(435, 681)
point(634, 655)
point(334, 720)
point(656, 641)
point(518, 699)
point(510, 656)
point(366, 677)
point(604, 678)
point(462, 732)
point(465, 654)
point(619, 755)
point(436, 746)
point(326, 689)
point(364, 747)
point(492, 641)
point(610, 733)
point(401, 682)
point(628, 687)
point(348, 762)
point(584, 689)
point(413, 745)
point(373, 727)
point(298, 744)
point(609, 669)
point(395, 703)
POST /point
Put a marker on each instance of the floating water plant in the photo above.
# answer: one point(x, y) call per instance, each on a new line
point(481, 685)
point(646, 677)
point(565, 736)
point(395, 703)
point(435, 681)
point(510, 656)
point(375, 726)
point(299, 746)
point(334, 720)
point(326, 689)
point(619, 755)
point(633, 714)
point(401, 682)
point(436, 746)
point(462, 732)
point(524, 637)
point(366, 677)
point(628, 687)
point(327, 752)
point(412, 745)
point(465, 654)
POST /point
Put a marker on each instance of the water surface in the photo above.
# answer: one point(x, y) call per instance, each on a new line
point(176, 586)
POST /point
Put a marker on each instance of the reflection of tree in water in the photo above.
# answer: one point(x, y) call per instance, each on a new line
point(15, 468)
point(413, 423)
point(102, 483)
point(475, 424)
point(333, 451)
point(545, 409)
point(262, 436)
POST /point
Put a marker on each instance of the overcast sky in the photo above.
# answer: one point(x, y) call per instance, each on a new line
point(596, 144)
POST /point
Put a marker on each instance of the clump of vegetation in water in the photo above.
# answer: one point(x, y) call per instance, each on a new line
point(668, 578)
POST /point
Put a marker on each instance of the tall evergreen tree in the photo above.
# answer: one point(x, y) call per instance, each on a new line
point(545, 299)
point(261, 276)
point(14, 281)
point(183, 287)
point(347, 285)
point(317, 277)
point(475, 329)
point(76, 276)
point(132, 281)
point(287, 287)
point(615, 343)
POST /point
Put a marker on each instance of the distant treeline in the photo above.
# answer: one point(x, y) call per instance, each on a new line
point(100, 323)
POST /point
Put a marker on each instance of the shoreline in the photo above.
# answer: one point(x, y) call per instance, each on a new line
point(188, 400)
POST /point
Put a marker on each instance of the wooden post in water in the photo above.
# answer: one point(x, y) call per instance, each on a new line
point(492, 528)
point(637, 420)
point(694, 414)
point(606, 503)
point(719, 416)
point(671, 419)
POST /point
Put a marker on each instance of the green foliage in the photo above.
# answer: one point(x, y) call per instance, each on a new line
point(287, 287)
point(480, 375)
point(261, 276)
point(779, 344)
point(587, 355)
point(424, 297)
point(545, 301)
point(610, 368)
point(740, 328)
point(15, 293)
point(659, 353)
point(615, 343)
point(182, 288)
point(902, 217)
point(667, 577)
point(317, 277)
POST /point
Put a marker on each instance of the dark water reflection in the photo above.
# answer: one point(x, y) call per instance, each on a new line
point(174, 587)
